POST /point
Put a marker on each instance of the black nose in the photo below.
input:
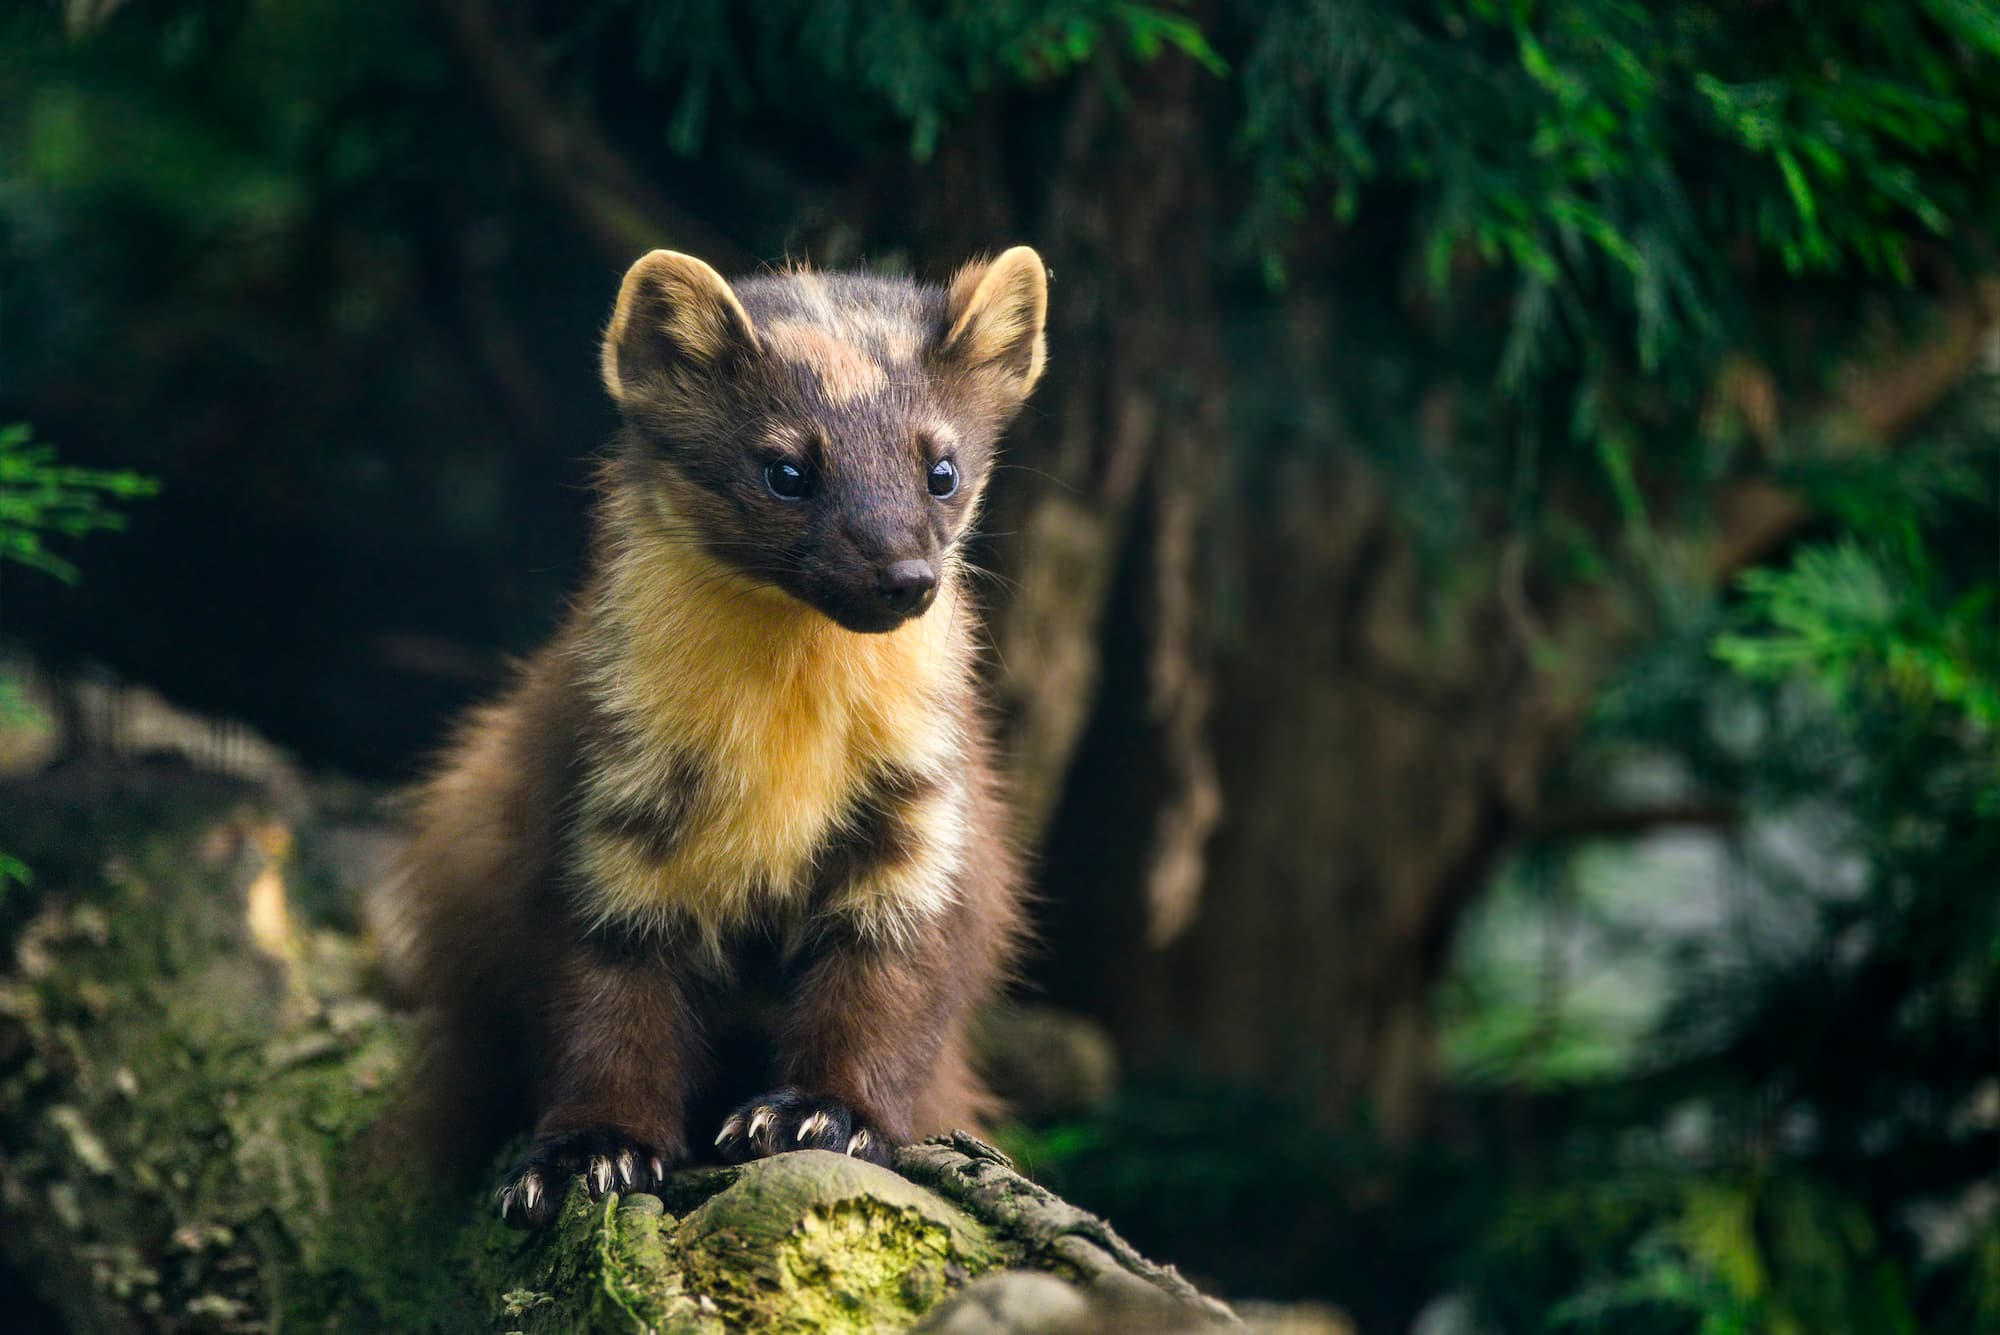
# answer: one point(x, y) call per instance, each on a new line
point(906, 586)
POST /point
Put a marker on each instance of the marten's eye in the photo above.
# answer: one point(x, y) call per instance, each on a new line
point(787, 481)
point(944, 478)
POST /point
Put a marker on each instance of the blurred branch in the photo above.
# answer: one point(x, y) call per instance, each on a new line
point(1878, 405)
point(623, 212)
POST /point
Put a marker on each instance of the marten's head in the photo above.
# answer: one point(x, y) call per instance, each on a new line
point(826, 434)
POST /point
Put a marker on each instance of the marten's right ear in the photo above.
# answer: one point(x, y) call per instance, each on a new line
point(674, 312)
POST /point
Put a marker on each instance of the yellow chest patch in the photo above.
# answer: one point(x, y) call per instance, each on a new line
point(776, 721)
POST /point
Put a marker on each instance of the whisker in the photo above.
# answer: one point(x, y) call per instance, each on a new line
point(1042, 473)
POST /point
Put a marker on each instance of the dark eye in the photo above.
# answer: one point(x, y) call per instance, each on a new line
point(944, 478)
point(787, 481)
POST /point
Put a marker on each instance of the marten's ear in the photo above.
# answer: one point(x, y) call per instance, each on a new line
point(994, 316)
point(673, 312)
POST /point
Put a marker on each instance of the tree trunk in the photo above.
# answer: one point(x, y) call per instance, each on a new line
point(1370, 761)
point(1380, 743)
point(1369, 769)
point(191, 1068)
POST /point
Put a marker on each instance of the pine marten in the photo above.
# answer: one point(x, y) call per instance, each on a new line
point(726, 866)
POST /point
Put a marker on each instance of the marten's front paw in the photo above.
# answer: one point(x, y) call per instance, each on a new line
point(605, 1158)
point(789, 1119)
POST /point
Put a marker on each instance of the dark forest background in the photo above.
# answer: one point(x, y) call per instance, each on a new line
point(1494, 607)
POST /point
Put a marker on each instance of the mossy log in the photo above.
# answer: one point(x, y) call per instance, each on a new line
point(192, 1074)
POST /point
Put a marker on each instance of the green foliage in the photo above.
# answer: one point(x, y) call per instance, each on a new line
point(1857, 622)
point(1577, 212)
point(232, 122)
point(1529, 152)
point(1828, 1161)
point(841, 64)
point(1885, 609)
point(1751, 1255)
point(40, 497)
point(1602, 149)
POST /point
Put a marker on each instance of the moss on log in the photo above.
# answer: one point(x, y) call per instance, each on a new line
point(191, 1066)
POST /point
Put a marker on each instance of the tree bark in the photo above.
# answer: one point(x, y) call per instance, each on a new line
point(1367, 762)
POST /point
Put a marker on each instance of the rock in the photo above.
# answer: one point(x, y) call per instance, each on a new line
point(1015, 1302)
point(1294, 1319)
point(1050, 1063)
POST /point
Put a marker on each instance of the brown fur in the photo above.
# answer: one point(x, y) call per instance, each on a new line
point(736, 826)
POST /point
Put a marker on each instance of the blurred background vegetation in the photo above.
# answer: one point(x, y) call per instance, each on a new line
point(1495, 619)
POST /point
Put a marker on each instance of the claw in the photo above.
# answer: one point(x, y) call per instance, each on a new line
point(859, 1142)
point(531, 1190)
point(813, 1126)
point(506, 1201)
point(659, 1170)
point(731, 1129)
point(600, 1173)
point(759, 1120)
point(625, 1165)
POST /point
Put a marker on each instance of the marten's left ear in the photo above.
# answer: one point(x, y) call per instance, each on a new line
point(994, 317)
point(673, 312)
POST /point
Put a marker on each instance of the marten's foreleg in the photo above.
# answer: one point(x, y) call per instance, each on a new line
point(858, 1044)
point(621, 1045)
